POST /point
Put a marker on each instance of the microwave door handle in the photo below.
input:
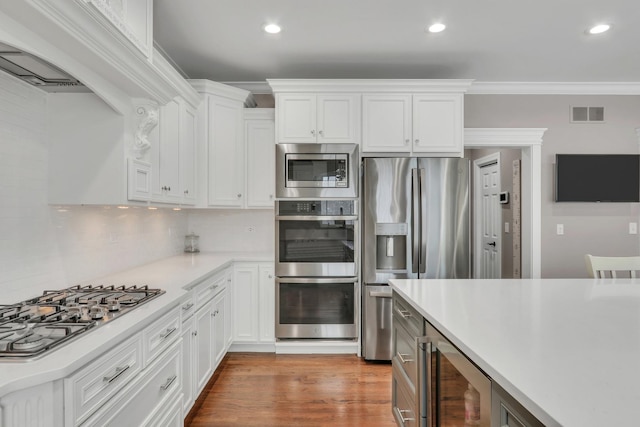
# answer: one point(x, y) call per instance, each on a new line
point(415, 220)
point(423, 222)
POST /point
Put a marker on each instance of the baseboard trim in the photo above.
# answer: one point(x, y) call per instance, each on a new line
point(316, 347)
point(252, 348)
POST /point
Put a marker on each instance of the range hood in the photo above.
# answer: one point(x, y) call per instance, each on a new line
point(37, 71)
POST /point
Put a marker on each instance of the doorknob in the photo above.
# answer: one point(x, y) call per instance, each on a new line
point(492, 244)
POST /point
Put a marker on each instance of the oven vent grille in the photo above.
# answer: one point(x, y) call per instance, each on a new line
point(587, 115)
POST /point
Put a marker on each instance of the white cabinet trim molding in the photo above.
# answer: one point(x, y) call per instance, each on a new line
point(529, 140)
point(147, 115)
point(554, 88)
point(370, 85)
point(207, 86)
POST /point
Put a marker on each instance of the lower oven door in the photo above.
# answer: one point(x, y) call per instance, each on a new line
point(316, 307)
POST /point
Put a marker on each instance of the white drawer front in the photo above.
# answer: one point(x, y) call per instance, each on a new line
point(96, 383)
point(210, 288)
point(160, 335)
point(160, 385)
point(188, 306)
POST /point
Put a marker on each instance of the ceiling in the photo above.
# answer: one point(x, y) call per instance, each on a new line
point(485, 40)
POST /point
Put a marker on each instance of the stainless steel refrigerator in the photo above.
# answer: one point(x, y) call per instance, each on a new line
point(415, 225)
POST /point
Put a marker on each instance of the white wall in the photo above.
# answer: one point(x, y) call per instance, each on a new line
point(234, 230)
point(596, 228)
point(42, 247)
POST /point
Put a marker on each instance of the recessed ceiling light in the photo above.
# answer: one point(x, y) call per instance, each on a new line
point(272, 28)
point(598, 29)
point(436, 28)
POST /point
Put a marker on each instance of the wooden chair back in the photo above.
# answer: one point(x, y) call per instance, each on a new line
point(604, 266)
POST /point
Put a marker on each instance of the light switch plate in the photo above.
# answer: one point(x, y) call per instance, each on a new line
point(559, 229)
point(633, 228)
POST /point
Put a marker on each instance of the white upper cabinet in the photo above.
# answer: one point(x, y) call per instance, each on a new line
point(426, 123)
point(414, 117)
point(322, 118)
point(386, 123)
point(259, 134)
point(165, 156)
point(221, 145)
point(188, 124)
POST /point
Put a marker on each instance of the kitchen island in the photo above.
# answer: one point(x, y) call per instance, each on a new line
point(567, 349)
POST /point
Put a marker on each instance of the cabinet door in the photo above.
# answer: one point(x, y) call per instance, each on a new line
point(296, 118)
point(188, 155)
point(260, 139)
point(188, 356)
point(229, 313)
point(245, 303)
point(226, 153)
point(338, 119)
point(267, 303)
point(203, 347)
point(219, 314)
point(386, 123)
point(166, 175)
point(437, 124)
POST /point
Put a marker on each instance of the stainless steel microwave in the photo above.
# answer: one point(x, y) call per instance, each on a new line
point(316, 170)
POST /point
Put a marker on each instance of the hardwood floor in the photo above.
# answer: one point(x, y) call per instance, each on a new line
point(265, 389)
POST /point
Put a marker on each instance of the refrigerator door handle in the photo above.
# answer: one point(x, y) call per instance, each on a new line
point(423, 221)
point(415, 220)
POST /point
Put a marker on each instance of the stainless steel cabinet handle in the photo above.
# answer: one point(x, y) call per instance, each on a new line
point(402, 358)
point(380, 294)
point(415, 220)
point(119, 371)
point(212, 287)
point(168, 383)
point(404, 313)
point(187, 307)
point(401, 413)
point(168, 332)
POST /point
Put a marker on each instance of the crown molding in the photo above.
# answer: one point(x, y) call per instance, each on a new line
point(506, 137)
point(221, 89)
point(554, 88)
point(173, 78)
point(257, 88)
point(370, 85)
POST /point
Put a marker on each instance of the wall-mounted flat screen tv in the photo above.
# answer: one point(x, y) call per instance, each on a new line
point(597, 178)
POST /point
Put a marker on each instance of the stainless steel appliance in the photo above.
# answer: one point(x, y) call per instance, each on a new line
point(316, 238)
point(415, 224)
point(33, 327)
point(317, 244)
point(316, 170)
point(452, 390)
point(316, 307)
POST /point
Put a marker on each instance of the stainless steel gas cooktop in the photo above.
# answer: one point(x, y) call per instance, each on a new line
point(33, 327)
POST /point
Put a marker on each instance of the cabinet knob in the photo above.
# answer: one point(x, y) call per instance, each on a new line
point(313, 132)
point(270, 276)
point(406, 142)
point(239, 195)
point(194, 333)
point(169, 188)
point(186, 191)
point(417, 141)
point(321, 133)
point(271, 196)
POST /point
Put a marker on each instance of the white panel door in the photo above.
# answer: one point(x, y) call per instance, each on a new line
point(296, 118)
point(188, 155)
point(386, 123)
point(437, 124)
point(169, 154)
point(226, 153)
point(204, 347)
point(338, 119)
point(260, 139)
point(188, 358)
point(491, 219)
point(245, 303)
point(267, 303)
point(219, 313)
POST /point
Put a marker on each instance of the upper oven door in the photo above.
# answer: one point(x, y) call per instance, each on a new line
point(316, 238)
point(316, 170)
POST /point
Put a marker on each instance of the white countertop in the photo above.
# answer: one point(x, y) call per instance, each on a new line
point(175, 275)
point(567, 349)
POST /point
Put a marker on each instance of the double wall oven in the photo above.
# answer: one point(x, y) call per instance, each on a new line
point(317, 243)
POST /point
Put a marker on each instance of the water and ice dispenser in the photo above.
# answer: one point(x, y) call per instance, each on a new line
point(391, 246)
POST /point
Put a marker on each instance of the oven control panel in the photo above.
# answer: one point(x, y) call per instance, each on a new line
point(317, 207)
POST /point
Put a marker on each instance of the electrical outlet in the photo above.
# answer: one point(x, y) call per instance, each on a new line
point(506, 227)
point(559, 229)
point(633, 228)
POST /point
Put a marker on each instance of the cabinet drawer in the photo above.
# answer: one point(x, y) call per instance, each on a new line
point(409, 318)
point(160, 335)
point(158, 386)
point(403, 401)
point(96, 383)
point(188, 306)
point(210, 288)
point(404, 353)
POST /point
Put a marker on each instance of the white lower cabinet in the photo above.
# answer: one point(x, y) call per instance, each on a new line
point(253, 307)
